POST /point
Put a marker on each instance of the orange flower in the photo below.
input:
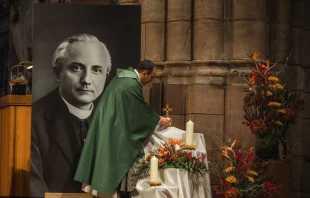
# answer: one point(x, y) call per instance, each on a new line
point(170, 141)
point(233, 144)
point(250, 151)
point(265, 71)
point(268, 63)
point(161, 148)
point(173, 142)
point(253, 79)
point(262, 65)
point(179, 142)
point(255, 55)
point(224, 153)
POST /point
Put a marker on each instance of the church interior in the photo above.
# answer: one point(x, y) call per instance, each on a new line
point(202, 50)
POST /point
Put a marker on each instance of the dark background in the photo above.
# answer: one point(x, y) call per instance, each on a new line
point(119, 27)
point(4, 49)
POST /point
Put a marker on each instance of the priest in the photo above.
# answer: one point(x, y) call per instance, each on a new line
point(122, 121)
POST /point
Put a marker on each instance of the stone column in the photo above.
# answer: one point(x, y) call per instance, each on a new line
point(208, 29)
point(280, 29)
point(179, 30)
point(249, 27)
point(306, 35)
point(296, 29)
point(153, 30)
point(301, 164)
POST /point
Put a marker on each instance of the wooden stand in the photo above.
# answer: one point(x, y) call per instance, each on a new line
point(67, 195)
point(15, 137)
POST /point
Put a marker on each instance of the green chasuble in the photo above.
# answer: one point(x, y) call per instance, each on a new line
point(121, 122)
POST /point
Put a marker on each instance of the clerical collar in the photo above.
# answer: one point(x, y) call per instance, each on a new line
point(81, 114)
point(138, 75)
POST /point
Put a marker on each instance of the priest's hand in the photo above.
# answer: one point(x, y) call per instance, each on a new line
point(164, 121)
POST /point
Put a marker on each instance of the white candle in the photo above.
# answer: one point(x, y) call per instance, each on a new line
point(189, 132)
point(154, 169)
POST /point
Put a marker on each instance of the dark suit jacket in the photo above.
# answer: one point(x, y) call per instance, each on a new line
point(55, 147)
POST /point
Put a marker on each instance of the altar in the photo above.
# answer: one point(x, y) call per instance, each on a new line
point(175, 183)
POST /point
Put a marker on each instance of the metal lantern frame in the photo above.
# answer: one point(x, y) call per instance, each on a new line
point(25, 65)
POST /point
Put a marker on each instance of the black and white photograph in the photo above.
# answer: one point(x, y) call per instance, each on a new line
point(76, 53)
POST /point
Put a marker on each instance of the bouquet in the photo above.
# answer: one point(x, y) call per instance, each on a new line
point(173, 154)
point(239, 177)
point(270, 106)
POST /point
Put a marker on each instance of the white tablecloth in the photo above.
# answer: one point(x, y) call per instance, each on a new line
point(175, 183)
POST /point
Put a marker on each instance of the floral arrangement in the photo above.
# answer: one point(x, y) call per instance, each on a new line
point(240, 178)
point(270, 106)
point(173, 154)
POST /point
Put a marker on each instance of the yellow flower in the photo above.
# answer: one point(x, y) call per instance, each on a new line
point(251, 179)
point(278, 123)
point(276, 104)
point(281, 111)
point(273, 79)
point(252, 172)
point(268, 93)
point(229, 169)
point(277, 86)
point(231, 179)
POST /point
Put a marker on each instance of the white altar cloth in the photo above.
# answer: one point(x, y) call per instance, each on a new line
point(175, 183)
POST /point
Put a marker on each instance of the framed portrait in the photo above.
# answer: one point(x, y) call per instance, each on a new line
point(118, 27)
point(63, 97)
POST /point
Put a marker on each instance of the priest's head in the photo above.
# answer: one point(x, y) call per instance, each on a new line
point(146, 70)
point(81, 64)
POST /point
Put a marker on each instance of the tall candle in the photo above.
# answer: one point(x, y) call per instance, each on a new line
point(154, 169)
point(189, 132)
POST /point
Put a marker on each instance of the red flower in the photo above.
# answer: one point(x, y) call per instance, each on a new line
point(189, 156)
point(232, 192)
point(271, 190)
point(258, 126)
point(289, 114)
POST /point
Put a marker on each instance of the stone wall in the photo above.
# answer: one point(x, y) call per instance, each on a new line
point(197, 44)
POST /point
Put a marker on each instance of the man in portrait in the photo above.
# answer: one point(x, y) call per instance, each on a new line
point(61, 118)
